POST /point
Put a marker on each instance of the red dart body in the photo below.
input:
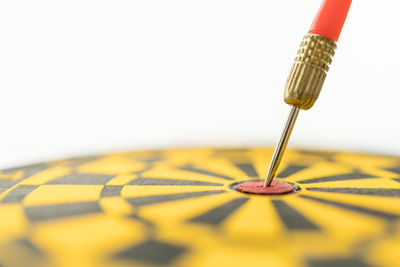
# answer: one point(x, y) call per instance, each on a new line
point(330, 19)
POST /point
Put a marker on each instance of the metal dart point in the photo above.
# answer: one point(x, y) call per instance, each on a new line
point(280, 148)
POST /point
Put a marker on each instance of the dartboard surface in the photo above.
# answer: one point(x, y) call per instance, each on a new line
point(180, 208)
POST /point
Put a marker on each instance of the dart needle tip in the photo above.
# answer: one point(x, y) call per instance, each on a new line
point(269, 178)
point(280, 148)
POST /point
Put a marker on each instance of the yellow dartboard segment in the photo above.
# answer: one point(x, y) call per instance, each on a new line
point(180, 208)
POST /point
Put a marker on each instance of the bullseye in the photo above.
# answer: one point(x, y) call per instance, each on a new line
point(257, 188)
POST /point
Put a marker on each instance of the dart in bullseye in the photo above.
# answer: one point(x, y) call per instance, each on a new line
point(309, 70)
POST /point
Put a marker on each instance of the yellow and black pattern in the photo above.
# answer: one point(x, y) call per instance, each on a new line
point(179, 208)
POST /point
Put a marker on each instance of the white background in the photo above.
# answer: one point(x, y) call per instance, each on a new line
point(82, 77)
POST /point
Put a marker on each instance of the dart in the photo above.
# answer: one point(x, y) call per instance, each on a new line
point(309, 70)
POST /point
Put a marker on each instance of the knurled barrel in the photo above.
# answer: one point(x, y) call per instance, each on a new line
point(309, 70)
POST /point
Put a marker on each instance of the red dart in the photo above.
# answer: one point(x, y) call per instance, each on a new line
point(309, 69)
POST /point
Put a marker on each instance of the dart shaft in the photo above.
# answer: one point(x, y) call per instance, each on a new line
point(280, 148)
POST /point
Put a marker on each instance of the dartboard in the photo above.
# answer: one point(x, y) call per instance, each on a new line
point(181, 208)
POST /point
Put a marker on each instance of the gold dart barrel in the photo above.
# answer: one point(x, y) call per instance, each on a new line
point(309, 71)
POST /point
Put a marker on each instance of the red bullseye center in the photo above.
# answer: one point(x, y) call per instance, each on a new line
point(257, 188)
